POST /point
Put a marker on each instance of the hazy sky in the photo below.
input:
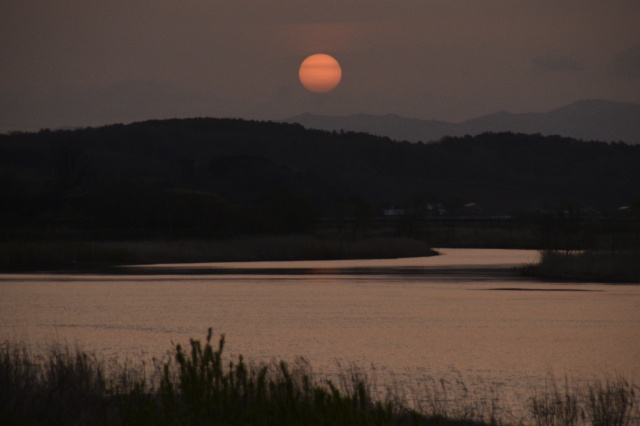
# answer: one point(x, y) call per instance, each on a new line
point(86, 62)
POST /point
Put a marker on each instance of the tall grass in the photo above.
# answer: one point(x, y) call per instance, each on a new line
point(609, 402)
point(52, 389)
point(452, 398)
point(556, 406)
point(198, 385)
point(612, 403)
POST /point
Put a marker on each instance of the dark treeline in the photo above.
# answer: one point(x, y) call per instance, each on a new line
point(224, 177)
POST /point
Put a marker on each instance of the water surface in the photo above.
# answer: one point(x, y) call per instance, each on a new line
point(458, 313)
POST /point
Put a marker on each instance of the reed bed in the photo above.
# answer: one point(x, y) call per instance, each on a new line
point(74, 254)
point(598, 266)
point(612, 401)
point(197, 384)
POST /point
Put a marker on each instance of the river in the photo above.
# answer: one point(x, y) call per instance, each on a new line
point(457, 315)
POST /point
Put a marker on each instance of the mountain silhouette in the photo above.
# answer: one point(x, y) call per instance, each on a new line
point(226, 177)
point(585, 120)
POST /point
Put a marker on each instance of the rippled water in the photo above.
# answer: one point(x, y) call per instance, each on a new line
point(459, 313)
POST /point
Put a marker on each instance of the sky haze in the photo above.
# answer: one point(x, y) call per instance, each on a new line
point(89, 63)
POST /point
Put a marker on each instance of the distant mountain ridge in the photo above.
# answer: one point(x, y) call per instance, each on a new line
point(586, 120)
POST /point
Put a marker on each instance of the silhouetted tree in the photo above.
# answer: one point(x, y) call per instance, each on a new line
point(70, 163)
point(361, 215)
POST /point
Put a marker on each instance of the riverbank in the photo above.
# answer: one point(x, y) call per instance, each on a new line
point(134, 257)
point(587, 266)
point(198, 384)
point(34, 256)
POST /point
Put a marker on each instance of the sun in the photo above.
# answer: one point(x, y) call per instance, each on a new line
point(320, 73)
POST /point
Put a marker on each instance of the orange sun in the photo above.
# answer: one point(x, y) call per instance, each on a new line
point(320, 73)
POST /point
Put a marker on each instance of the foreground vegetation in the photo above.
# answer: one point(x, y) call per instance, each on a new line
point(197, 385)
point(20, 256)
point(597, 266)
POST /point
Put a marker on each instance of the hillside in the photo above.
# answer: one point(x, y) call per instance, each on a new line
point(223, 177)
point(586, 120)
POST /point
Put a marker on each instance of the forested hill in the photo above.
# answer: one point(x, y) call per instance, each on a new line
point(225, 177)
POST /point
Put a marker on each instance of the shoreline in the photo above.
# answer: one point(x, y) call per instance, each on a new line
point(427, 273)
point(80, 255)
point(309, 255)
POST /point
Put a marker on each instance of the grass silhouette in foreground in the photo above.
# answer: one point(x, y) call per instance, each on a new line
point(198, 386)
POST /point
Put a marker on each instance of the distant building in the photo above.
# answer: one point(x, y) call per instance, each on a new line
point(393, 212)
point(472, 209)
